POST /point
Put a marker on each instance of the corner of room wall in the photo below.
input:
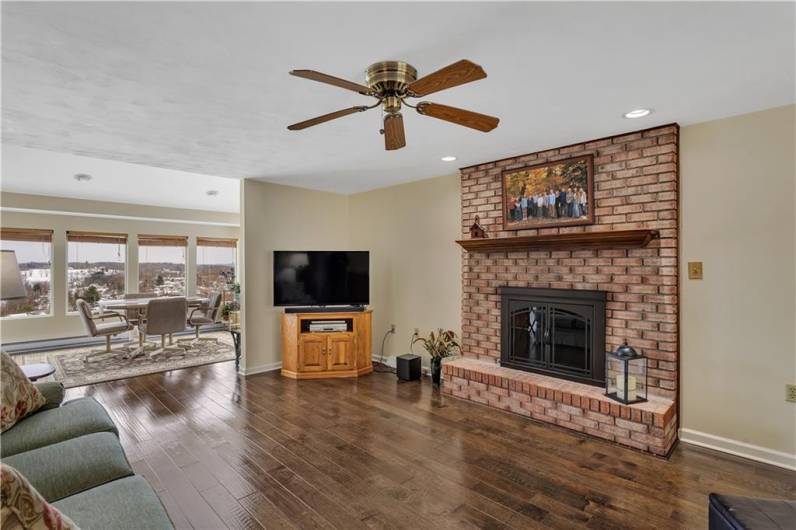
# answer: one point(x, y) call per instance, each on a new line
point(409, 229)
point(279, 217)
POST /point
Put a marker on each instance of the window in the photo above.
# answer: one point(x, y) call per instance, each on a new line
point(33, 249)
point(95, 267)
point(216, 261)
point(161, 265)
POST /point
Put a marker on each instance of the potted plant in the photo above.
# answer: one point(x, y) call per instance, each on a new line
point(438, 344)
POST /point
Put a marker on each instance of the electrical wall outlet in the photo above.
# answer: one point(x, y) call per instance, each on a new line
point(790, 393)
point(417, 331)
point(392, 328)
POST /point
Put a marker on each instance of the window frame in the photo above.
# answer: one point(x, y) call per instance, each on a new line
point(215, 242)
point(32, 235)
point(87, 235)
point(150, 240)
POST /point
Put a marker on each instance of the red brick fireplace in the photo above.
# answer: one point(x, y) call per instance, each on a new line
point(635, 187)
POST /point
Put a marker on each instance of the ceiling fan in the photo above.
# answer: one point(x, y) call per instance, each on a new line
point(392, 83)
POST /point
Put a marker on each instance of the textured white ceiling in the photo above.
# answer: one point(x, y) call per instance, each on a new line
point(204, 87)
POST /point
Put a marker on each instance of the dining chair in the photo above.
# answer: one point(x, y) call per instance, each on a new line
point(164, 316)
point(135, 315)
point(95, 327)
point(205, 316)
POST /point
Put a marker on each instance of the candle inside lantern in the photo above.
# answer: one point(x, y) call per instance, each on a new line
point(631, 389)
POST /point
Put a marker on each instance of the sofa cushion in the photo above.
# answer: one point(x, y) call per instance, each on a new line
point(127, 503)
point(53, 393)
point(24, 508)
point(66, 468)
point(19, 396)
point(75, 418)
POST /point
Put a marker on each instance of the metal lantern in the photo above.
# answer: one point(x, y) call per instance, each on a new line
point(626, 375)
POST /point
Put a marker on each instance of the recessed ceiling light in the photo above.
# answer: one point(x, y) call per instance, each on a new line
point(638, 113)
point(82, 177)
point(448, 158)
point(212, 193)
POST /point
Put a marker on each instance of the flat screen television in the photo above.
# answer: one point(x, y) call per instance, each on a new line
point(321, 278)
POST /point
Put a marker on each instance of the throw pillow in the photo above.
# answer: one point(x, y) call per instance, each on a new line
point(23, 508)
point(19, 397)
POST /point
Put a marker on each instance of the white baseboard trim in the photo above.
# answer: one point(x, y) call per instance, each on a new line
point(388, 361)
point(737, 448)
point(251, 370)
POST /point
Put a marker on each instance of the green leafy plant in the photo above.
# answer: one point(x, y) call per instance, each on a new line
point(439, 343)
point(227, 308)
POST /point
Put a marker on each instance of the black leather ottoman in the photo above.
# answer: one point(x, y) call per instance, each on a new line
point(728, 512)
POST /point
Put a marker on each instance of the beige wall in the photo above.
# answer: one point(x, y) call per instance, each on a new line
point(276, 217)
point(32, 211)
point(415, 265)
point(738, 346)
point(408, 229)
point(738, 349)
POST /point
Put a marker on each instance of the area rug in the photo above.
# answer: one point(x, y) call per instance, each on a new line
point(87, 366)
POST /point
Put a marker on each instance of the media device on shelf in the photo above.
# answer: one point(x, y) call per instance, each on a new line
point(321, 281)
point(328, 325)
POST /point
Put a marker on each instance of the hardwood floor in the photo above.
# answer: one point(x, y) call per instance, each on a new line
point(270, 452)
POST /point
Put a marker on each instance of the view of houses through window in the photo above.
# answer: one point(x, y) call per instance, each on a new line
point(161, 265)
point(97, 264)
point(215, 264)
point(33, 249)
point(96, 267)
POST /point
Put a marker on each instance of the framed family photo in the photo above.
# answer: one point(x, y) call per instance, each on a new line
point(559, 193)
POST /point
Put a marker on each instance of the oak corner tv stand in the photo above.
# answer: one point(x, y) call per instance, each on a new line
point(308, 354)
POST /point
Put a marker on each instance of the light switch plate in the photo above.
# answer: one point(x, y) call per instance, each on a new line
point(790, 393)
point(694, 270)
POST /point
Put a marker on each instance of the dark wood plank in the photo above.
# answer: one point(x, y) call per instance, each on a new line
point(269, 452)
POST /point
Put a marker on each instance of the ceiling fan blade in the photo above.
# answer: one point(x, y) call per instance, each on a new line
point(452, 75)
point(394, 137)
point(474, 120)
point(331, 80)
point(326, 117)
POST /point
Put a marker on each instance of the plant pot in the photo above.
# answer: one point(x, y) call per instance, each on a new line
point(436, 370)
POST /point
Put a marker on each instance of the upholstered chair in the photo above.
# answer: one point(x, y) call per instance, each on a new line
point(97, 327)
point(134, 316)
point(206, 315)
point(164, 316)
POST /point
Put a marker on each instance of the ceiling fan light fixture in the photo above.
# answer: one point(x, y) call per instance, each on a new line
point(449, 158)
point(391, 83)
point(637, 113)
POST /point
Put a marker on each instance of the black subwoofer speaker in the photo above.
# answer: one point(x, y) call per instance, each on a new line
point(408, 367)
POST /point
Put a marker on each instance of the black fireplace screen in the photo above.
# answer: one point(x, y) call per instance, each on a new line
point(558, 332)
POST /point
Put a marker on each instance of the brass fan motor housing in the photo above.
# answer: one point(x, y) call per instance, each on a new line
point(390, 78)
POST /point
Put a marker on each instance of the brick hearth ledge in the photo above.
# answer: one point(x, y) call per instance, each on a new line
point(649, 426)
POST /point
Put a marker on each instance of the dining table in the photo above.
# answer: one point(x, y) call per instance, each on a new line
point(139, 305)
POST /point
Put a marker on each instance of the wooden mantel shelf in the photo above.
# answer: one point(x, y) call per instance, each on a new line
point(573, 240)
